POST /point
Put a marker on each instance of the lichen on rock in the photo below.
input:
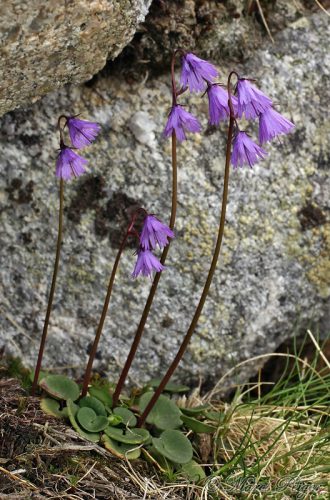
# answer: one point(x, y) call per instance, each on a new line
point(272, 270)
point(47, 44)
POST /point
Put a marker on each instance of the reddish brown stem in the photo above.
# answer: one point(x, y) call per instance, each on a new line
point(52, 291)
point(210, 275)
point(154, 285)
point(92, 354)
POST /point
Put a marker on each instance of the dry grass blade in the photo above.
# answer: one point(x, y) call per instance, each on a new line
point(216, 389)
point(318, 348)
point(264, 20)
point(15, 477)
point(322, 8)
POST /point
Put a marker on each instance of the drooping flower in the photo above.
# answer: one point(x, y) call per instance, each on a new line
point(271, 124)
point(146, 264)
point(180, 121)
point(251, 101)
point(245, 151)
point(82, 132)
point(69, 164)
point(218, 103)
point(154, 232)
point(196, 72)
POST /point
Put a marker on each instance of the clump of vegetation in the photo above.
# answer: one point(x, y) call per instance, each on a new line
point(273, 443)
point(164, 442)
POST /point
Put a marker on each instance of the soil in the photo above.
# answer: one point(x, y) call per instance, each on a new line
point(40, 457)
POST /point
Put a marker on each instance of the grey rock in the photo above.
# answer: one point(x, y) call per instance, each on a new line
point(274, 274)
point(143, 127)
point(46, 44)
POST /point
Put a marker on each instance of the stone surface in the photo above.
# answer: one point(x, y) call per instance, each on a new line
point(228, 32)
point(273, 277)
point(46, 44)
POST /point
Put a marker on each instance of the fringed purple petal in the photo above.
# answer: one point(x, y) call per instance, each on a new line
point(82, 132)
point(180, 121)
point(271, 124)
point(251, 101)
point(196, 72)
point(218, 104)
point(245, 151)
point(146, 264)
point(154, 233)
point(69, 164)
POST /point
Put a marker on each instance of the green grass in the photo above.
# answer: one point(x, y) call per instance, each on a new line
point(276, 444)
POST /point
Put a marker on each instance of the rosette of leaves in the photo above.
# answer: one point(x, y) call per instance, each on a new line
point(165, 442)
point(123, 440)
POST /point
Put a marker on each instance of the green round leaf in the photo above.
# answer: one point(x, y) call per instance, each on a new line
point(90, 421)
point(95, 404)
point(52, 407)
point(121, 450)
point(102, 394)
point(71, 413)
point(197, 426)
point(193, 471)
point(174, 445)
point(164, 415)
point(60, 387)
point(128, 417)
point(170, 387)
point(129, 436)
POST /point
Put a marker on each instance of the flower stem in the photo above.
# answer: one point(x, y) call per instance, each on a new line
point(155, 282)
point(103, 315)
point(212, 269)
point(52, 290)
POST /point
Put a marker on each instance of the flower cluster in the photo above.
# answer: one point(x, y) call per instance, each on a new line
point(154, 233)
point(196, 74)
point(82, 133)
point(248, 101)
point(254, 104)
